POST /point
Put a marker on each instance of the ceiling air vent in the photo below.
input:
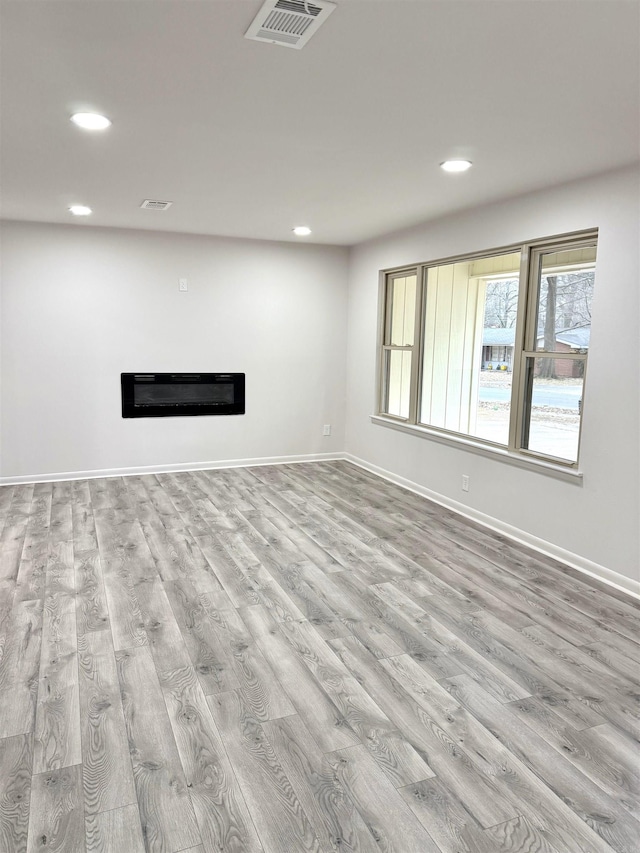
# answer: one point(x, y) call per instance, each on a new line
point(290, 23)
point(151, 204)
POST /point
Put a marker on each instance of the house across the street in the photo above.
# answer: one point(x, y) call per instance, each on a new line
point(497, 349)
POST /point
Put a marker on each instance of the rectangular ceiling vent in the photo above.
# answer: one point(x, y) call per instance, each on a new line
point(151, 204)
point(290, 23)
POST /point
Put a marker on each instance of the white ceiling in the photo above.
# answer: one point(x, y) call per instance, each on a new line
point(249, 139)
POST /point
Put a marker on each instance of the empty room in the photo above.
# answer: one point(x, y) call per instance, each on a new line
point(320, 426)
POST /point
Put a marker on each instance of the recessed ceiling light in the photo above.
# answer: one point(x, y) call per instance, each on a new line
point(80, 210)
point(90, 121)
point(302, 231)
point(456, 165)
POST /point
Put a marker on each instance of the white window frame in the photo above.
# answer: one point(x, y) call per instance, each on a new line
point(524, 348)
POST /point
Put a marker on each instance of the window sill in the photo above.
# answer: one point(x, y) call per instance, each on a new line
point(569, 475)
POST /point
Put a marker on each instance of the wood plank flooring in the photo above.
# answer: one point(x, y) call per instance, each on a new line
point(303, 659)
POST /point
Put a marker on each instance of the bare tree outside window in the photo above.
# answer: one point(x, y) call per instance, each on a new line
point(564, 305)
point(501, 304)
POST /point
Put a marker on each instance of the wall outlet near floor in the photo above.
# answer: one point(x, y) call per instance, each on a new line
point(465, 482)
point(326, 429)
point(182, 285)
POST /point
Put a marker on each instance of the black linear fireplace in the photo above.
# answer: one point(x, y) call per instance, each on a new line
point(162, 395)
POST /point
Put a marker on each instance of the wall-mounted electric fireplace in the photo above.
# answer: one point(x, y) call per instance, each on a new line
point(162, 395)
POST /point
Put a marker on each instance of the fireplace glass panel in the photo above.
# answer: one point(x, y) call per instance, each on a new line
point(163, 394)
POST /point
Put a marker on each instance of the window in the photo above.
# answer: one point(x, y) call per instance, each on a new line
point(492, 347)
point(400, 336)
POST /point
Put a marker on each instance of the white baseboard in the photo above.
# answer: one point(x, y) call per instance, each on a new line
point(581, 564)
point(169, 468)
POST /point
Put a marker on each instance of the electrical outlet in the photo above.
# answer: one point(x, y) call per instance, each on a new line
point(326, 429)
point(465, 482)
point(182, 285)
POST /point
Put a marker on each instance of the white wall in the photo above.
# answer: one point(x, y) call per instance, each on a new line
point(81, 304)
point(599, 520)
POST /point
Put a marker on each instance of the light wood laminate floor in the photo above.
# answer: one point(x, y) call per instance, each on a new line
point(303, 658)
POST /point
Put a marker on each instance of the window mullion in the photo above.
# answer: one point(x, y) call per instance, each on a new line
point(526, 340)
point(416, 352)
point(517, 377)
